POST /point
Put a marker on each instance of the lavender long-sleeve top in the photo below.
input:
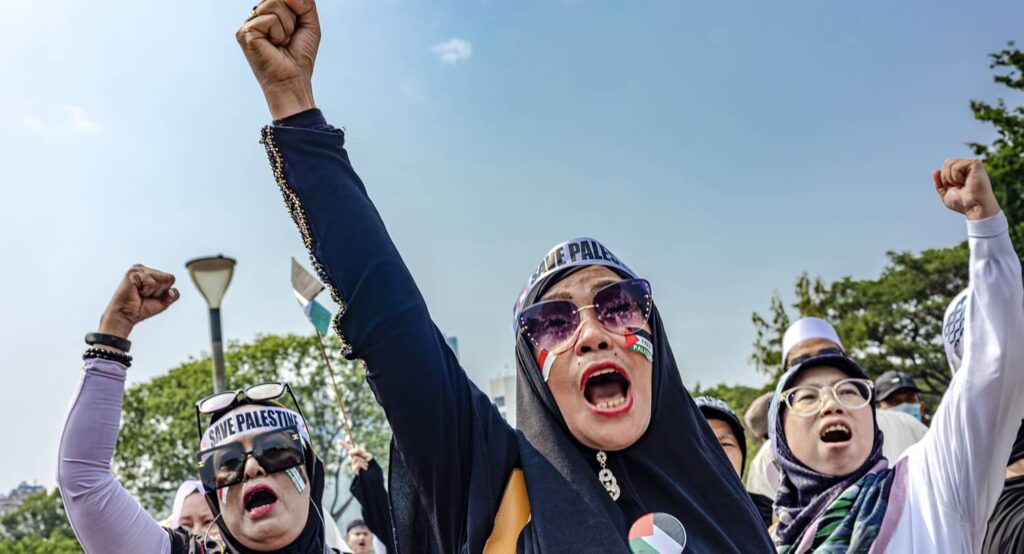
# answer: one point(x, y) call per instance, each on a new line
point(105, 517)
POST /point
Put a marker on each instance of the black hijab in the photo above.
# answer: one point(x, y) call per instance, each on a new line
point(676, 466)
point(311, 540)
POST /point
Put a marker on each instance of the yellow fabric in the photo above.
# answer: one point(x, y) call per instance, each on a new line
point(513, 515)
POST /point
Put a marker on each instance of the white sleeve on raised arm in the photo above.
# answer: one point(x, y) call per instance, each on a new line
point(955, 474)
point(104, 516)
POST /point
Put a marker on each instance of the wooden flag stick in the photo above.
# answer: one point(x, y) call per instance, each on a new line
point(337, 391)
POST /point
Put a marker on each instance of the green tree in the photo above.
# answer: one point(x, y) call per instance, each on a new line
point(56, 543)
point(739, 398)
point(39, 525)
point(159, 438)
point(1004, 158)
point(893, 322)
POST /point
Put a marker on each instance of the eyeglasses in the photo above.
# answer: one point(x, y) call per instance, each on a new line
point(807, 400)
point(224, 465)
point(261, 392)
point(828, 351)
point(622, 308)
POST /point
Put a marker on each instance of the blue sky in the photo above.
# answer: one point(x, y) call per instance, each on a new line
point(718, 148)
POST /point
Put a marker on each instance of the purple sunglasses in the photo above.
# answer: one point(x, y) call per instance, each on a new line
point(622, 307)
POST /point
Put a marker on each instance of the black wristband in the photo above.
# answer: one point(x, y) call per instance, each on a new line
point(109, 355)
point(108, 340)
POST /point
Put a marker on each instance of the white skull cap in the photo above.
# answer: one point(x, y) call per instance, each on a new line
point(807, 328)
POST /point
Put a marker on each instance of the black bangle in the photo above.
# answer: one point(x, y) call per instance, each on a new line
point(109, 355)
point(108, 340)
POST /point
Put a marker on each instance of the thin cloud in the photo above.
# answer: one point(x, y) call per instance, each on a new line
point(454, 51)
point(60, 120)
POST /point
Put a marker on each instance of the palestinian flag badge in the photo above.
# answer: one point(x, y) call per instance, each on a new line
point(639, 340)
point(657, 533)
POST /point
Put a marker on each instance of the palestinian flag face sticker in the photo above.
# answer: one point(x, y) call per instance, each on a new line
point(222, 496)
point(640, 341)
point(545, 360)
point(657, 533)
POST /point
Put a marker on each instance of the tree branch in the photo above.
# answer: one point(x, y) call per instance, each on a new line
point(344, 506)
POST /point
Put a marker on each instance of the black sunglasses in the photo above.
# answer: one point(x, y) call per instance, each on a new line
point(224, 465)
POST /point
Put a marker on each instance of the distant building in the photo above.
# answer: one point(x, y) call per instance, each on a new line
point(453, 343)
point(503, 394)
point(17, 496)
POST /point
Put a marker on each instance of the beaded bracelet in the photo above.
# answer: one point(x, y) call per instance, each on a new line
point(109, 355)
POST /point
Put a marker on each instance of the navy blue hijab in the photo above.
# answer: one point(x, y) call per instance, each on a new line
point(806, 498)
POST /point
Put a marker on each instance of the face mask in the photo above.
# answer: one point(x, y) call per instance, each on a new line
point(912, 409)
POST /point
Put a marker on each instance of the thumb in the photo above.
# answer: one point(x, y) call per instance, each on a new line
point(170, 297)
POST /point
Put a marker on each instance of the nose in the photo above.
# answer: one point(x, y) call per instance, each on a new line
point(830, 405)
point(253, 469)
point(593, 335)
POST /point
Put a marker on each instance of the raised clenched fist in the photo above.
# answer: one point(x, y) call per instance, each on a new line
point(964, 187)
point(143, 293)
point(280, 41)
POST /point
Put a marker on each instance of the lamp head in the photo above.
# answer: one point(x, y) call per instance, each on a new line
point(212, 275)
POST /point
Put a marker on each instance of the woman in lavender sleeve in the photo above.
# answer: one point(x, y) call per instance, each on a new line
point(260, 476)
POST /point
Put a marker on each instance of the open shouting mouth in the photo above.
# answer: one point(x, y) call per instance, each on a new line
point(259, 501)
point(606, 388)
point(836, 433)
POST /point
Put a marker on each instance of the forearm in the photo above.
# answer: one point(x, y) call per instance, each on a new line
point(384, 319)
point(339, 225)
point(974, 427)
point(104, 516)
point(368, 488)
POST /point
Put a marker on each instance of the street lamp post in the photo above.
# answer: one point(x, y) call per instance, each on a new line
point(212, 275)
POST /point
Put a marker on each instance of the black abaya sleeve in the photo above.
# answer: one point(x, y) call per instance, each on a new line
point(368, 489)
point(445, 428)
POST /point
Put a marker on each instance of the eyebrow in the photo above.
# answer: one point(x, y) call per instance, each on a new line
point(821, 383)
point(593, 288)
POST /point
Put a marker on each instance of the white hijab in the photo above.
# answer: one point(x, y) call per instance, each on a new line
point(186, 489)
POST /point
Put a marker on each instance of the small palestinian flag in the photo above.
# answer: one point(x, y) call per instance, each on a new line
point(657, 533)
point(544, 361)
point(640, 341)
point(306, 287)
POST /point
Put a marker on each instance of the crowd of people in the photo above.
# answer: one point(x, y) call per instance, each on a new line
point(610, 452)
